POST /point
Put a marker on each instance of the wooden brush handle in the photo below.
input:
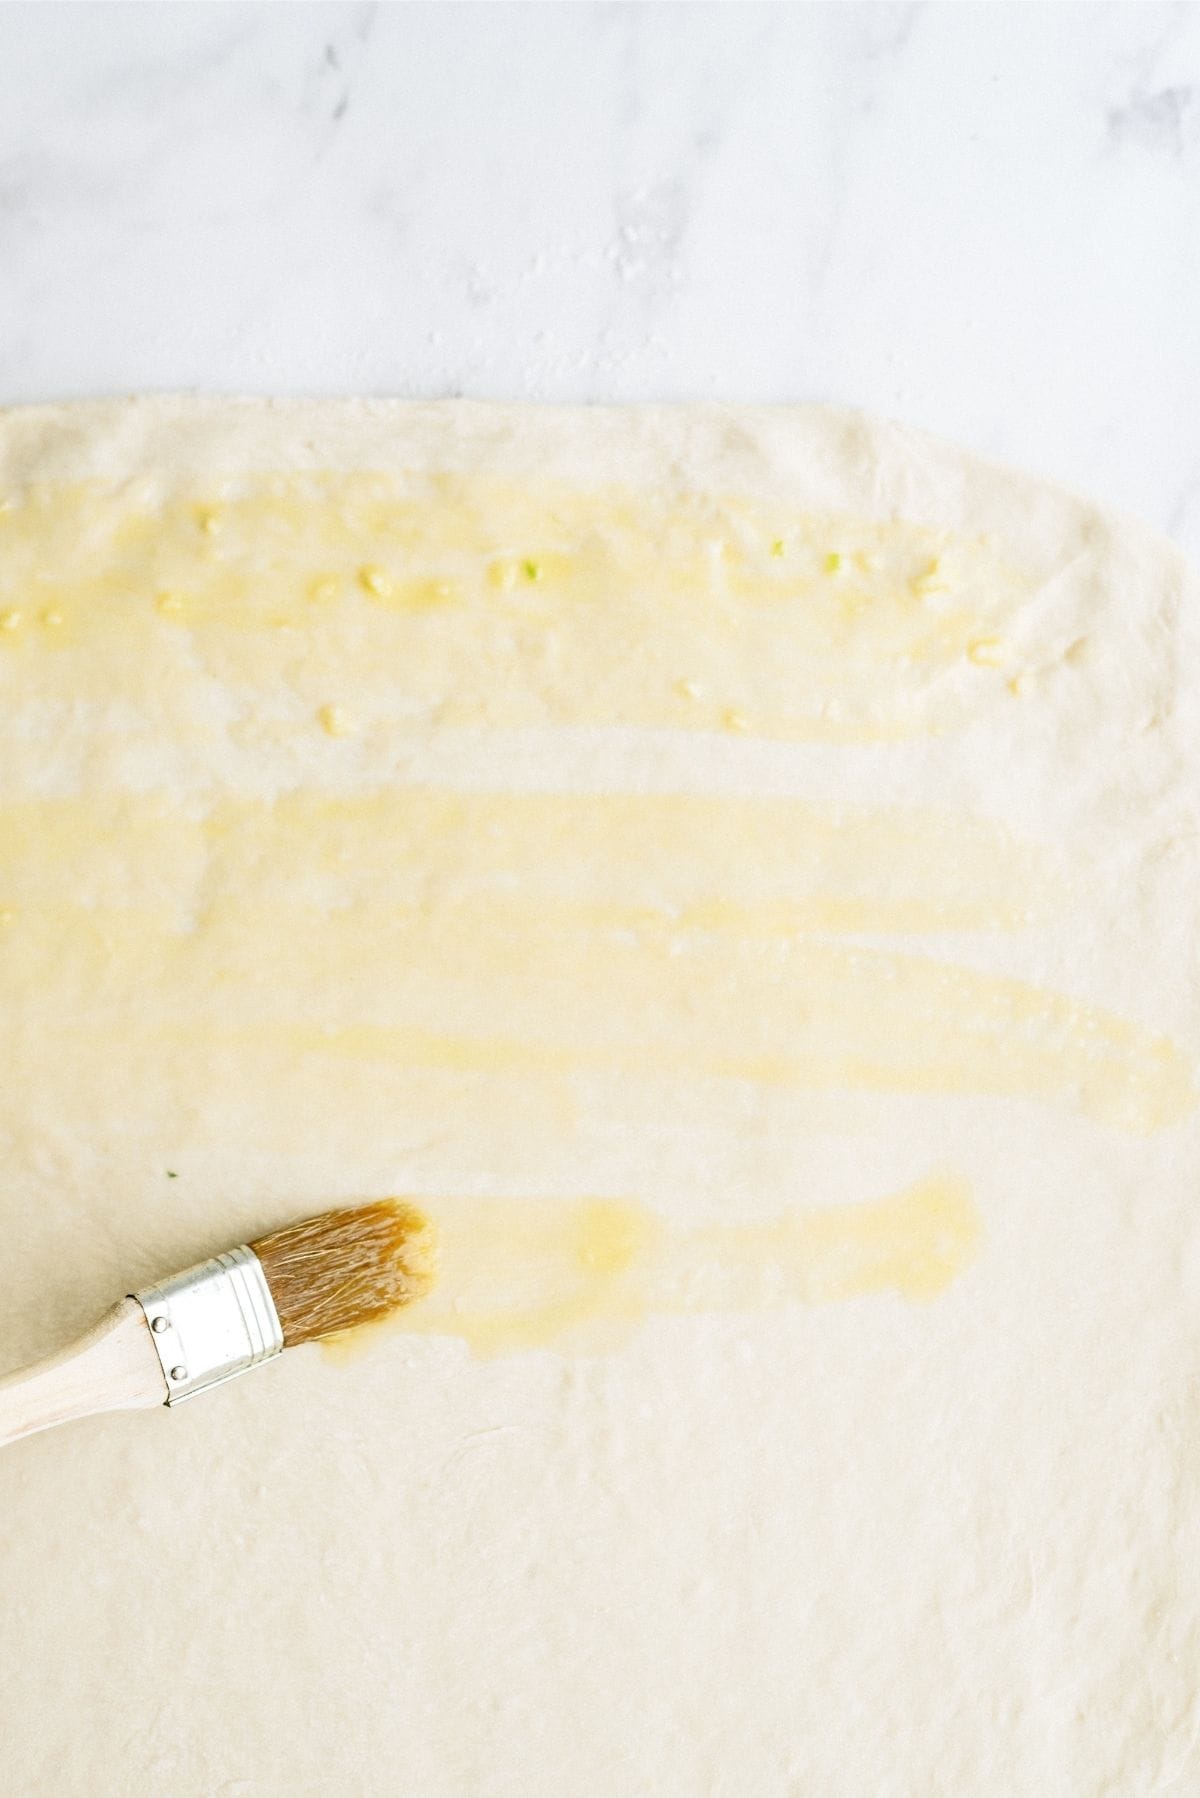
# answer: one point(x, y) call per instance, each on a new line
point(112, 1368)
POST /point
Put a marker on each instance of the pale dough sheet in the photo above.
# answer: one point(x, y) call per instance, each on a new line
point(737, 870)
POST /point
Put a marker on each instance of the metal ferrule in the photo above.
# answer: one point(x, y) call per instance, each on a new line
point(211, 1322)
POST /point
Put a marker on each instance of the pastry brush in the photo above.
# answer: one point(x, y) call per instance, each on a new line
point(224, 1316)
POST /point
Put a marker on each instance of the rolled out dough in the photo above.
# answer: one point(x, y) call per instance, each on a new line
point(737, 871)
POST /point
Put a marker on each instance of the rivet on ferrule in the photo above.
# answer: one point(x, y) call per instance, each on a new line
point(212, 1322)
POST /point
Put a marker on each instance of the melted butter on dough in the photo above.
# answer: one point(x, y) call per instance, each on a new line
point(491, 941)
point(541, 935)
point(760, 866)
point(521, 1273)
point(473, 602)
point(511, 988)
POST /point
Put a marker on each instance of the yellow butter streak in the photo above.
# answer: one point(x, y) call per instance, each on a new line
point(524, 1273)
point(467, 601)
point(504, 988)
point(758, 866)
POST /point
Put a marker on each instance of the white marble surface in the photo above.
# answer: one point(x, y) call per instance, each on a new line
point(984, 220)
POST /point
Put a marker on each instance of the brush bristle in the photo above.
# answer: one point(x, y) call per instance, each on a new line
point(347, 1267)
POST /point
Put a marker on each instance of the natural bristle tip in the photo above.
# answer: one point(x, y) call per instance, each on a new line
point(347, 1267)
